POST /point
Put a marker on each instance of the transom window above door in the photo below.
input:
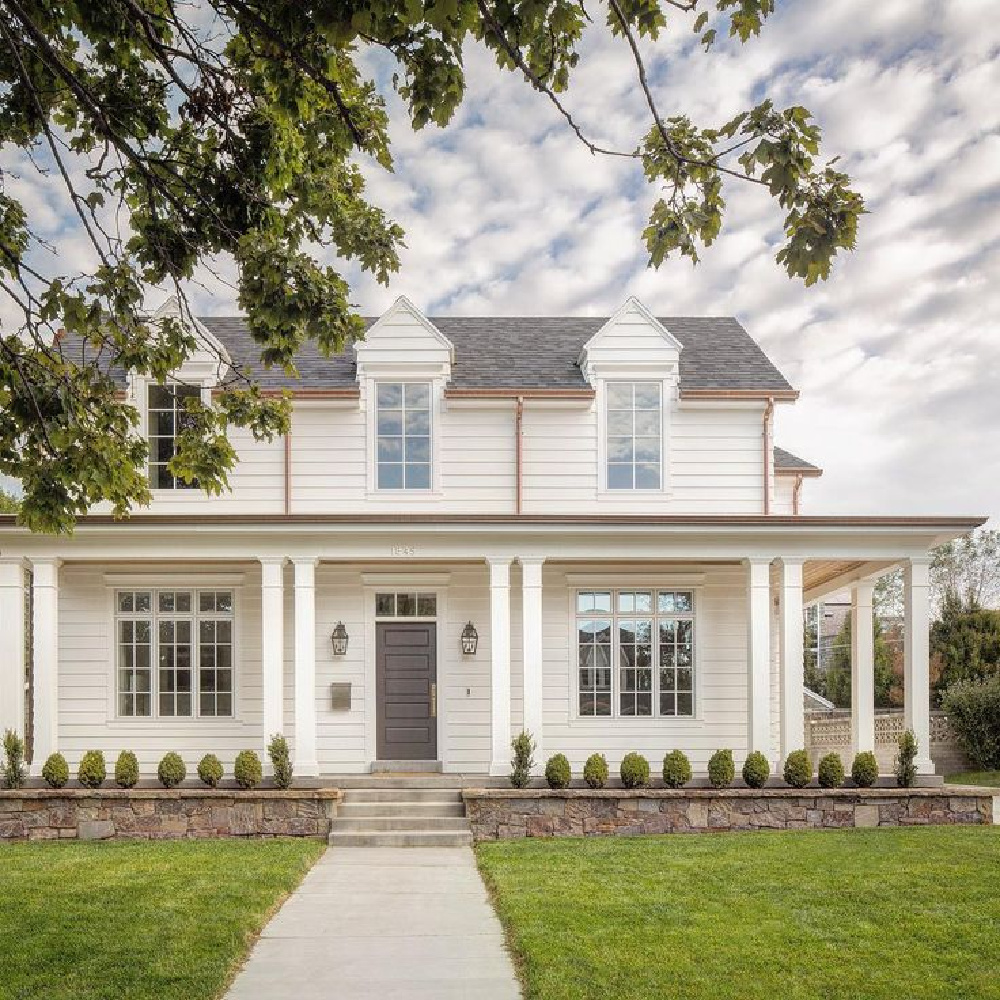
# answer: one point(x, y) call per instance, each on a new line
point(405, 605)
point(635, 652)
point(403, 436)
point(634, 425)
point(166, 417)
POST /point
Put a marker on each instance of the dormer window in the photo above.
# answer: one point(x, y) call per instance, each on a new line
point(634, 435)
point(403, 435)
point(166, 416)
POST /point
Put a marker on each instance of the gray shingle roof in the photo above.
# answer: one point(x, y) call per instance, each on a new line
point(786, 461)
point(531, 352)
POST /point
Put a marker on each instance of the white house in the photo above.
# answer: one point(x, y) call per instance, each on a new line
point(599, 500)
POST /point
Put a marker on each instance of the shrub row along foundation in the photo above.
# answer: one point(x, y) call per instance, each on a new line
point(502, 814)
point(153, 814)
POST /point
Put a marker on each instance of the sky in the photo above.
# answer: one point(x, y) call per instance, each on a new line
point(897, 356)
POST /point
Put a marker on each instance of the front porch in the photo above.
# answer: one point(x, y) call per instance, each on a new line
point(542, 596)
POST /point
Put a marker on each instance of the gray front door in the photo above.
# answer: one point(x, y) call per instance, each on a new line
point(406, 690)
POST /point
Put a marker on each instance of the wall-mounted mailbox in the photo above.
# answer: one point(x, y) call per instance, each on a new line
point(340, 696)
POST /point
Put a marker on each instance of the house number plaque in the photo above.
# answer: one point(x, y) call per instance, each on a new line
point(402, 550)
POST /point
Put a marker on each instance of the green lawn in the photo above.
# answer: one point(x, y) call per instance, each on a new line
point(849, 914)
point(988, 778)
point(131, 921)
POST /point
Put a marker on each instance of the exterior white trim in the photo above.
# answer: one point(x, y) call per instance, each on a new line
point(173, 580)
point(403, 581)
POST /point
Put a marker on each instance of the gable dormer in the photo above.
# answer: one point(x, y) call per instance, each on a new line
point(404, 342)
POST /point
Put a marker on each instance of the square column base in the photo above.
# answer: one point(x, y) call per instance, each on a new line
point(500, 770)
point(305, 768)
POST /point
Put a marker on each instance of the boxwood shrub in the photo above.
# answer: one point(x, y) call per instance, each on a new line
point(595, 771)
point(15, 774)
point(831, 771)
point(55, 771)
point(634, 771)
point(676, 769)
point(864, 770)
point(126, 770)
point(798, 770)
point(247, 770)
point(756, 770)
point(906, 760)
point(93, 769)
point(210, 770)
point(281, 760)
point(172, 770)
point(523, 760)
point(557, 771)
point(721, 769)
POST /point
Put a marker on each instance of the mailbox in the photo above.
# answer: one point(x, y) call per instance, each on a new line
point(340, 696)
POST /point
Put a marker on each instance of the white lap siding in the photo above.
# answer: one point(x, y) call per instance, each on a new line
point(87, 681)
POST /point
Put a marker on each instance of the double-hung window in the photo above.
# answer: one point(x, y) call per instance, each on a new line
point(635, 652)
point(403, 436)
point(166, 415)
point(174, 653)
point(634, 425)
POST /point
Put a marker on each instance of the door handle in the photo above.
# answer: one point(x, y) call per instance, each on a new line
point(434, 701)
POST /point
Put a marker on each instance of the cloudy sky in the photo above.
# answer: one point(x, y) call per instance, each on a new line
point(897, 357)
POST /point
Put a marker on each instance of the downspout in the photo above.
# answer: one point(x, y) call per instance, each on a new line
point(768, 416)
point(518, 452)
point(288, 470)
point(797, 495)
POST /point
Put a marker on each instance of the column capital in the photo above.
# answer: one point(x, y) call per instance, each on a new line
point(499, 572)
point(790, 561)
point(304, 560)
point(272, 560)
point(531, 560)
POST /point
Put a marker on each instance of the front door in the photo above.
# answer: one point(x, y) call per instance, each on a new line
point(406, 690)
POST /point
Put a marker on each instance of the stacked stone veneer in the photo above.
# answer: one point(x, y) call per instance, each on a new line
point(158, 814)
point(501, 814)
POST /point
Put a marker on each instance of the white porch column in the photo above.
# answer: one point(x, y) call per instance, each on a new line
point(45, 623)
point(305, 763)
point(793, 735)
point(500, 665)
point(531, 631)
point(12, 714)
point(272, 645)
point(862, 668)
point(916, 659)
point(759, 657)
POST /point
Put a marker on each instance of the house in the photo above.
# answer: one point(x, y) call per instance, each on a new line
point(580, 527)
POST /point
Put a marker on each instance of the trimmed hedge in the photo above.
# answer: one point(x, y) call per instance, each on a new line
point(247, 770)
point(93, 769)
point(55, 771)
point(595, 771)
point(210, 770)
point(973, 708)
point(721, 769)
point(126, 770)
point(864, 770)
point(756, 770)
point(676, 769)
point(172, 770)
point(634, 771)
point(798, 770)
point(831, 771)
point(557, 771)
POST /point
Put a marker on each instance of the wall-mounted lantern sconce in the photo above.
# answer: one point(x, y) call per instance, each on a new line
point(340, 639)
point(470, 640)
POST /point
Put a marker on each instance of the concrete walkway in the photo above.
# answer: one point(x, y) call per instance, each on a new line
point(385, 923)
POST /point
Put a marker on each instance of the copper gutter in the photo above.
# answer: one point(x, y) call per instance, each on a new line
point(584, 395)
point(768, 415)
point(766, 394)
point(519, 453)
point(797, 495)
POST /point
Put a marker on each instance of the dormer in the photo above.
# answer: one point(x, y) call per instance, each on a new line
point(633, 363)
point(403, 365)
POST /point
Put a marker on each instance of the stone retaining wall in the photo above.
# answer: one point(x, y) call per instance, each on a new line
point(507, 813)
point(159, 814)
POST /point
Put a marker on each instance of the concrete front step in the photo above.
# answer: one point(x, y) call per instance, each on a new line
point(382, 824)
point(416, 794)
point(406, 767)
point(437, 807)
point(401, 838)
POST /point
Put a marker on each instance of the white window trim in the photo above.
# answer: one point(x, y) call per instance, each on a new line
point(140, 393)
point(369, 400)
point(574, 718)
point(196, 720)
point(636, 496)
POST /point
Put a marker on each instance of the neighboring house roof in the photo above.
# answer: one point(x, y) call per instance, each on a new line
point(785, 461)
